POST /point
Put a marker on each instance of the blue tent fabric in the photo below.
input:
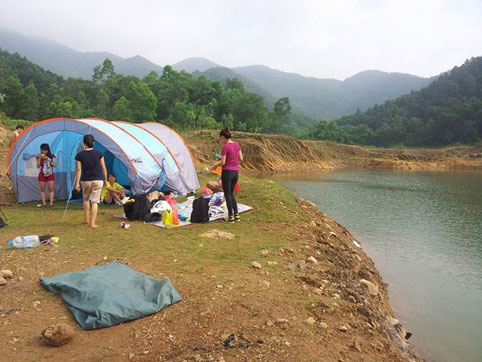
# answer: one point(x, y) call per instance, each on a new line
point(103, 296)
point(140, 158)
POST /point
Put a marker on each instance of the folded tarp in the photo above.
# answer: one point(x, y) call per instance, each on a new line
point(103, 296)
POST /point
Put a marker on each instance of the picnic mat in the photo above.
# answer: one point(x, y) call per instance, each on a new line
point(106, 295)
point(185, 210)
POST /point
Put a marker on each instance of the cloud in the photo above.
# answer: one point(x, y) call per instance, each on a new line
point(330, 38)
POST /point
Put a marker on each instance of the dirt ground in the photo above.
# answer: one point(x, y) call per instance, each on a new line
point(230, 310)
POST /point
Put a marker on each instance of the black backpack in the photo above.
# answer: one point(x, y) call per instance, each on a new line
point(138, 209)
point(200, 210)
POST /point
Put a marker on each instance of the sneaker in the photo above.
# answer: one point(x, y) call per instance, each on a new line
point(231, 219)
point(125, 199)
point(237, 218)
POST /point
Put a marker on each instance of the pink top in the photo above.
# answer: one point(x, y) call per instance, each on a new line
point(231, 151)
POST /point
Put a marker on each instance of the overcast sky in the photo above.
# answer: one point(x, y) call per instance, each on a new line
point(324, 38)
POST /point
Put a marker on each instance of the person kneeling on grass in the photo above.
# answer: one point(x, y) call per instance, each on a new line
point(112, 192)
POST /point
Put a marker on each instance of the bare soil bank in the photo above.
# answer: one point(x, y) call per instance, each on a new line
point(283, 154)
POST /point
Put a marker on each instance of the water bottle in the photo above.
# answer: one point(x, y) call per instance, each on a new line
point(28, 241)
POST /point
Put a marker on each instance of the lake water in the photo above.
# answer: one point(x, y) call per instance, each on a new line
point(424, 232)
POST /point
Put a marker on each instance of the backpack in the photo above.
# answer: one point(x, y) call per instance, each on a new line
point(200, 210)
point(154, 216)
point(138, 209)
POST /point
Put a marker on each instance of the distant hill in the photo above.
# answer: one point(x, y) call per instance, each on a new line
point(317, 98)
point(331, 98)
point(447, 111)
point(68, 62)
point(192, 65)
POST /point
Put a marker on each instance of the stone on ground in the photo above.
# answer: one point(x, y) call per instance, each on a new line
point(6, 273)
point(310, 321)
point(2, 281)
point(313, 260)
point(372, 288)
point(256, 265)
point(218, 234)
point(58, 334)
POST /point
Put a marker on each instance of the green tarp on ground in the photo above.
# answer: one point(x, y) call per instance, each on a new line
point(103, 296)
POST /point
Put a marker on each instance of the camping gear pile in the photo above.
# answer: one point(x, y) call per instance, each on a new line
point(157, 206)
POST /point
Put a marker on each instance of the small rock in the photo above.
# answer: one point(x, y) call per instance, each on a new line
point(332, 233)
point(300, 265)
point(269, 324)
point(131, 356)
point(217, 234)
point(219, 286)
point(392, 321)
point(6, 273)
point(313, 260)
point(58, 334)
point(36, 303)
point(287, 344)
point(2, 281)
point(264, 252)
point(305, 287)
point(310, 321)
point(21, 279)
point(343, 328)
point(146, 352)
point(372, 288)
point(356, 346)
point(256, 265)
point(323, 325)
point(282, 321)
point(318, 291)
point(266, 284)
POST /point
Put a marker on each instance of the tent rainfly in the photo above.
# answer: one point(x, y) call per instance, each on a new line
point(143, 156)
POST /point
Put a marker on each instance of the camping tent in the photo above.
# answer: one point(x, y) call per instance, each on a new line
point(140, 158)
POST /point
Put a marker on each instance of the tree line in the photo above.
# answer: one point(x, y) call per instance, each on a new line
point(177, 99)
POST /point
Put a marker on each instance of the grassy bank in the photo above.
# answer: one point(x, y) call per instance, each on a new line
point(306, 303)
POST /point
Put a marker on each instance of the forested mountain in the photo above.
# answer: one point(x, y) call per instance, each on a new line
point(27, 91)
point(68, 62)
point(331, 98)
point(447, 111)
point(317, 98)
point(196, 64)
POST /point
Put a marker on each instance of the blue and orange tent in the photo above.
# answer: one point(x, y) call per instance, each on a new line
point(143, 156)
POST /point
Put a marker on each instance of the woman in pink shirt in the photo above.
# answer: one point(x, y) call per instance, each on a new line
point(231, 156)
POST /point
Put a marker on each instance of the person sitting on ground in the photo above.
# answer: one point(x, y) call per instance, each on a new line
point(15, 134)
point(112, 192)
